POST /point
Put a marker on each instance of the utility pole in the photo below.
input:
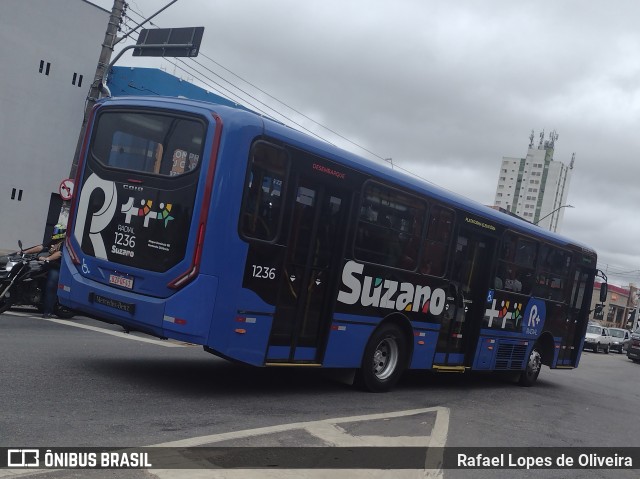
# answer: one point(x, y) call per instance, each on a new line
point(110, 35)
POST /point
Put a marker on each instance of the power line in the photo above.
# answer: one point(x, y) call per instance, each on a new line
point(267, 94)
point(229, 92)
point(292, 109)
point(238, 97)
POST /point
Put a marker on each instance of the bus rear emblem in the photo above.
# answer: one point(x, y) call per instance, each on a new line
point(145, 211)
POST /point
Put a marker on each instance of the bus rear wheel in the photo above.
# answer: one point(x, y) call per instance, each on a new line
point(530, 374)
point(384, 359)
point(63, 312)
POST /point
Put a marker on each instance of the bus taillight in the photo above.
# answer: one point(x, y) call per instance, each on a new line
point(72, 253)
point(192, 272)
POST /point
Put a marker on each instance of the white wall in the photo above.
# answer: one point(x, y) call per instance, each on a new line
point(41, 115)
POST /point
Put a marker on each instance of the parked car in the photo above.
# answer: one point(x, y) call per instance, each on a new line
point(597, 338)
point(620, 339)
point(633, 352)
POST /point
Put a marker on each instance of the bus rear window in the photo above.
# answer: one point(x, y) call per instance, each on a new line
point(159, 144)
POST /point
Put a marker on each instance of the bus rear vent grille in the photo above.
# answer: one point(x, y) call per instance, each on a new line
point(510, 356)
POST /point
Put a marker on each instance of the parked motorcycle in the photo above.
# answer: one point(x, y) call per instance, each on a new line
point(23, 280)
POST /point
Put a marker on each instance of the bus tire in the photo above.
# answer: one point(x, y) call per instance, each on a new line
point(63, 312)
point(5, 303)
point(384, 359)
point(529, 376)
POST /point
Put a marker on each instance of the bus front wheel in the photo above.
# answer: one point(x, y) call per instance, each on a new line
point(384, 359)
point(529, 376)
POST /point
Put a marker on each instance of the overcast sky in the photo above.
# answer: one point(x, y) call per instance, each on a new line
point(446, 89)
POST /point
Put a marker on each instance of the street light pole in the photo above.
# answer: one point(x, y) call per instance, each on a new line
point(110, 35)
point(558, 208)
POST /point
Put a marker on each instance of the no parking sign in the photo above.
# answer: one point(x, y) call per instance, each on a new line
point(66, 189)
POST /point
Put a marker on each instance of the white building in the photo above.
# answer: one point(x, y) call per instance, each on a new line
point(48, 52)
point(535, 188)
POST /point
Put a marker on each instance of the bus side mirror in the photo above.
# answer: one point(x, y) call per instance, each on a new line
point(604, 290)
point(604, 287)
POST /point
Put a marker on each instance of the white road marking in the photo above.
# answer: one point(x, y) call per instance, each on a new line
point(199, 441)
point(329, 431)
point(165, 343)
point(16, 313)
point(158, 342)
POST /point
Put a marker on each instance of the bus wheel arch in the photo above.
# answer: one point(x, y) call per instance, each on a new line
point(541, 353)
point(386, 355)
point(547, 347)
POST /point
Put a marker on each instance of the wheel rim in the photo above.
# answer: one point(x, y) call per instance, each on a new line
point(534, 364)
point(385, 358)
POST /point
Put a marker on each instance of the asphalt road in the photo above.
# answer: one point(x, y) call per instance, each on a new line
point(67, 386)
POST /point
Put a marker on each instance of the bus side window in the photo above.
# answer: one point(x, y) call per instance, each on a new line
point(553, 272)
point(389, 227)
point(516, 264)
point(436, 248)
point(262, 203)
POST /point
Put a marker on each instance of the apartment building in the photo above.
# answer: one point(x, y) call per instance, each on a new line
point(535, 187)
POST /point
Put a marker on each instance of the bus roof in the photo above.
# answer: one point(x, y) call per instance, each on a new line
point(384, 172)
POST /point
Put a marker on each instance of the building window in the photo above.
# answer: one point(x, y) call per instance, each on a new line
point(78, 78)
point(44, 67)
point(16, 194)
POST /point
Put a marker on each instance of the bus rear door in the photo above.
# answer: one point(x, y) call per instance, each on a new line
point(578, 314)
point(471, 265)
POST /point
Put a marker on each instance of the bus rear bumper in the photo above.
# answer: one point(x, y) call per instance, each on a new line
point(184, 316)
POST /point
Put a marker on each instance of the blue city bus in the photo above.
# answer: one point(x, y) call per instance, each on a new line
point(213, 225)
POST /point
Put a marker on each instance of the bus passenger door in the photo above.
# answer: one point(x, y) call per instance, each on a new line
point(314, 249)
point(466, 295)
point(577, 318)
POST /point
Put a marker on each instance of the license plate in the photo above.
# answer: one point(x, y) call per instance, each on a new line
point(121, 280)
